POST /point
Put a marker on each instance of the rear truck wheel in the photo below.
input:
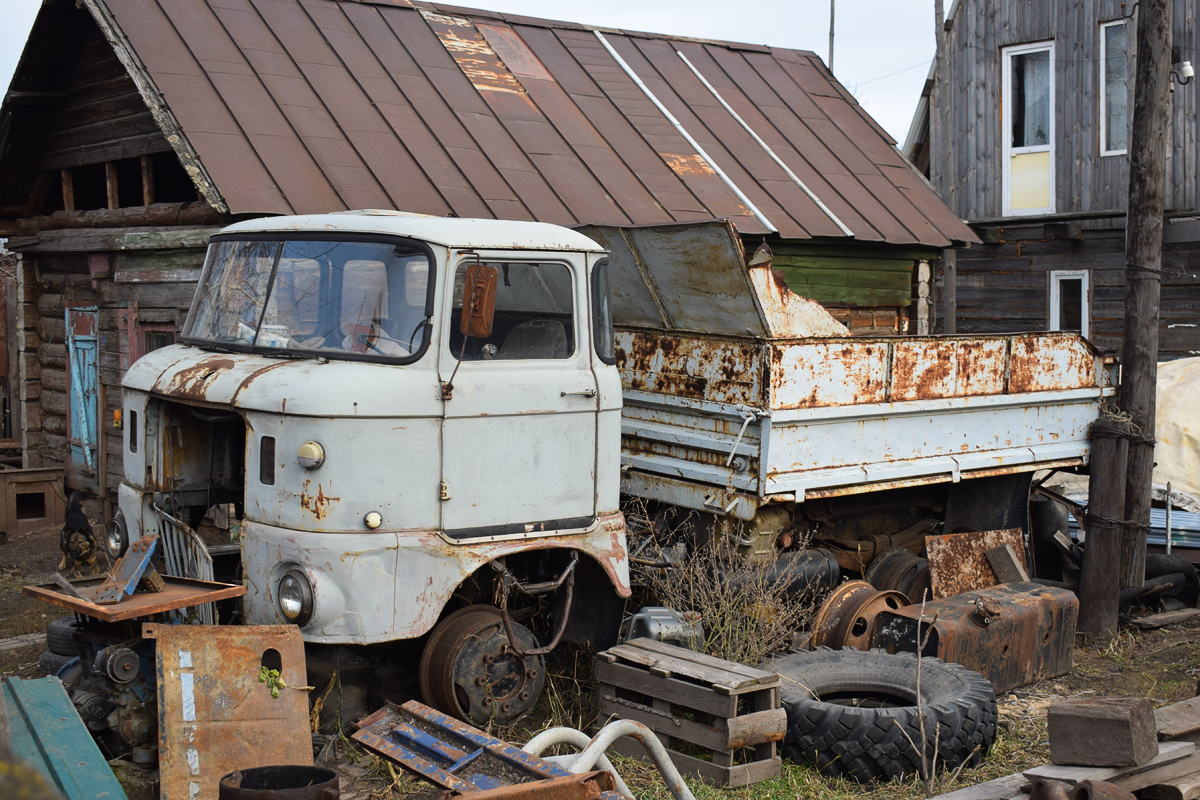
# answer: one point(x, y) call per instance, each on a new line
point(854, 713)
point(470, 671)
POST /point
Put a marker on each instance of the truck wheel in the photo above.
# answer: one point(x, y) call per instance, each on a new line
point(60, 637)
point(849, 712)
point(468, 669)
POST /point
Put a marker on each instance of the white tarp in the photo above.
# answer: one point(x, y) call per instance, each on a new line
point(1177, 432)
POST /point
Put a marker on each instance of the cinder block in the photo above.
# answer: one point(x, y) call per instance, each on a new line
point(1102, 732)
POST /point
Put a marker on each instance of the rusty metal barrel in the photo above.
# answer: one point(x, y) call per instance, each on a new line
point(283, 782)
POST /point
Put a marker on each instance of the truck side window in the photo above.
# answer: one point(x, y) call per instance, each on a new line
point(534, 318)
point(602, 322)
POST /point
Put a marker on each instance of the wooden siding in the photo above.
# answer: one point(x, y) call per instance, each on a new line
point(103, 117)
point(52, 281)
point(1085, 181)
point(1005, 287)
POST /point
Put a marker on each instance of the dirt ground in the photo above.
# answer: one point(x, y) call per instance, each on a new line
point(1163, 665)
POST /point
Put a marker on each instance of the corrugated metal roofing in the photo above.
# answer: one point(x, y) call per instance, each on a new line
point(308, 106)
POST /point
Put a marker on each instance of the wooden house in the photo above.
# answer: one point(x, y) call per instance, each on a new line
point(1030, 128)
point(133, 129)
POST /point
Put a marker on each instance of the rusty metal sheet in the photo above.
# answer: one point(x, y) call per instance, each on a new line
point(1013, 634)
point(177, 593)
point(834, 372)
point(702, 368)
point(1051, 361)
point(215, 714)
point(927, 368)
point(958, 561)
point(499, 115)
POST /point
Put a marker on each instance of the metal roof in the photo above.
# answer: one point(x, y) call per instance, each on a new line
point(309, 106)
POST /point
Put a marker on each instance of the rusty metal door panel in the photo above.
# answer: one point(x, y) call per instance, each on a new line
point(937, 367)
point(693, 274)
point(814, 449)
point(696, 367)
point(837, 372)
point(1050, 361)
point(710, 445)
point(1013, 634)
point(215, 715)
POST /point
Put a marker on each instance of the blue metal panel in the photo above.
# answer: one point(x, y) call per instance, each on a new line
point(83, 362)
point(48, 734)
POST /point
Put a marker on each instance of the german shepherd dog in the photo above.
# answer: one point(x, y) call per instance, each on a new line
point(77, 541)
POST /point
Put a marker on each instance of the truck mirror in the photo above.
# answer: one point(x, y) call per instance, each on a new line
point(479, 300)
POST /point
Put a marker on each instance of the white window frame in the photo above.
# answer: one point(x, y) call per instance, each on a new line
point(1006, 128)
point(1104, 88)
point(1057, 276)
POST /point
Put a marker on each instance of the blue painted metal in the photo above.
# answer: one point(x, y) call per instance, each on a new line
point(48, 734)
point(448, 752)
point(127, 572)
point(82, 360)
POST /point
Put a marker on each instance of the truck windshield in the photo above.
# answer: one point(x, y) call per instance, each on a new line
point(335, 299)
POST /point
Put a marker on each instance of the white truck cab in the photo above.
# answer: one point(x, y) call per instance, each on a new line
point(386, 404)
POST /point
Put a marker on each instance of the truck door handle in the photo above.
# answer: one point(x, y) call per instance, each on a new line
point(584, 393)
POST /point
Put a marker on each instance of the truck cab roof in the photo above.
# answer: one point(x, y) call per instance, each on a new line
point(489, 234)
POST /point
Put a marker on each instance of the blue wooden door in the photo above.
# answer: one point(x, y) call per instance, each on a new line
point(82, 364)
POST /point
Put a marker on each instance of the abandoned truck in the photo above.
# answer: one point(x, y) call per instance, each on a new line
point(412, 427)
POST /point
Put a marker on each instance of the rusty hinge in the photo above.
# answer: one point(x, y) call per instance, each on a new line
point(445, 490)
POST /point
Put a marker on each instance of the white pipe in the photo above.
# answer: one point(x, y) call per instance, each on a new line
point(627, 727)
point(633, 76)
point(552, 736)
point(766, 147)
point(1168, 518)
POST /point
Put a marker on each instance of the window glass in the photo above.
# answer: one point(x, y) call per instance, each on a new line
point(1031, 99)
point(1115, 87)
point(334, 298)
point(602, 324)
point(534, 314)
point(1069, 301)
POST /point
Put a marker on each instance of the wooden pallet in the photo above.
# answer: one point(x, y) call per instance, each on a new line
point(727, 709)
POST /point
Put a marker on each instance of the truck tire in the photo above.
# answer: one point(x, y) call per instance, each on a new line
point(60, 637)
point(849, 712)
point(49, 663)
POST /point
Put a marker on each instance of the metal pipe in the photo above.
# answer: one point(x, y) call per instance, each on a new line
point(1168, 518)
point(766, 147)
point(627, 727)
point(633, 76)
point(552, 736)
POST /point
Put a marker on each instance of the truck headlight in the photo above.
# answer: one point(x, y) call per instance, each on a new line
point(295, 597)
point(116, 537)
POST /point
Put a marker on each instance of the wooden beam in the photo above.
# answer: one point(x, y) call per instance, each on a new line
point(147, 181)
point(110, 184)
point(68, 189)
point(37, 197)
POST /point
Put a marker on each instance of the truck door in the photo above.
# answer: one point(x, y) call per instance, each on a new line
point(519, 433)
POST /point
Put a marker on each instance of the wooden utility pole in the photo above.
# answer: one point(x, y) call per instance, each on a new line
point(1099, 584)
point(1143, 270)
point(831, 2)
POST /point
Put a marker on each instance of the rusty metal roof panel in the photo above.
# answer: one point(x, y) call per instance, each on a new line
point(322, 105)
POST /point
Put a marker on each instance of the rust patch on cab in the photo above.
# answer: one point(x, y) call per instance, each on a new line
point(192, 383)
point(317, 504)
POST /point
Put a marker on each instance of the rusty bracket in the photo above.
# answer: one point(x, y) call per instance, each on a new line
point(129, 572)
point(508, 580)
point(748, 415)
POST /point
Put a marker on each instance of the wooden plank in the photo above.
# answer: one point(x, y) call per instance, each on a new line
point(1178, 719)
point(1168, 752)
point(762, 676)
point(147, 180)
point(1006, 565)
point(110, 185)
point(997, 789)
point(670, 666)
point(1185, 788)
point(680, 692)
point(759, 727)
point(1164, 618)
point(739, 775)
point(662, 722)
point(1165, 773)
point(178, 593)
point(68, 189)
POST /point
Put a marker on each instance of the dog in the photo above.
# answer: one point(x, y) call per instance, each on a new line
point(77, 541)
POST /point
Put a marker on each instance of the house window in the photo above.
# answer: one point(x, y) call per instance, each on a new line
point(1069, 300)
point(1114, 88)
point(1028, 125)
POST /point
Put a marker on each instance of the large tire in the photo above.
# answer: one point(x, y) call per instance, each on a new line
point(60, 637)
point(849, 712)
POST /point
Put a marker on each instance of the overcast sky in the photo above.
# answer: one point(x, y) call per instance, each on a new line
point(882, 48)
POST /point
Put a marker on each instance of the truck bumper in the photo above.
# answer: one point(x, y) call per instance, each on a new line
point(380, 587)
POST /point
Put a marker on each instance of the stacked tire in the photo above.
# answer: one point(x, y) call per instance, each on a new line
point(61, 647)
point(856, 714)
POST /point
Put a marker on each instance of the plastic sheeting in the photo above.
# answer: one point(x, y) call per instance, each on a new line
point(1177, 431)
